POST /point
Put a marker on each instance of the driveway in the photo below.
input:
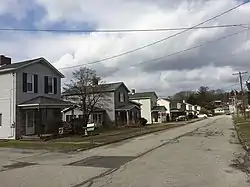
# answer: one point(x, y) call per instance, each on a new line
point(199, 154)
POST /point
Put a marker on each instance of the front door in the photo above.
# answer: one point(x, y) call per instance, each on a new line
point(30, 122)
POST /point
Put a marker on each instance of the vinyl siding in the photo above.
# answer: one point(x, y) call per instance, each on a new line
point(145, 108)
point(7, 106)
point(41, 70)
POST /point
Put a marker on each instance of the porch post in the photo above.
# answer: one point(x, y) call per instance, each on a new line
point(128, 121)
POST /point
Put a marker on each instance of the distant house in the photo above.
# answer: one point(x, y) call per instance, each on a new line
point(149, 109)
point(176, 109)
point(197, 109)
point(219, 111)
point(166, 103)
point(30, 98)
point(118, 110)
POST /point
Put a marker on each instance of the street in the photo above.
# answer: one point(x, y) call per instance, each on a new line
point(198, 154)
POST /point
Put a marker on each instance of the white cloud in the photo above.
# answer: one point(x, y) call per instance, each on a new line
point(189, 70)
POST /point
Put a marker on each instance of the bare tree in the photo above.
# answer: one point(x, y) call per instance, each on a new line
point(84, 90)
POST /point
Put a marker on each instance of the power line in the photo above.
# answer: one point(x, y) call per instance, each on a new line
point(178, 52)
point(118, 30)
point(194, 47)
point(161, 40)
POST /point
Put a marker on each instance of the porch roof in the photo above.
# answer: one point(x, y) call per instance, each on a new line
point(159, 108)
point(127, 107)
point(45, 102)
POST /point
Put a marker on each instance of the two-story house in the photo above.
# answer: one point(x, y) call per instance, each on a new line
point(149, 108)
point(30, 98)
point(117, 110)
point(177, 109)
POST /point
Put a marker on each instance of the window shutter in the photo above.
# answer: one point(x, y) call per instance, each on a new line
point(35, 84)
point(24, 82)
point(55, 85)
point(46, 84)
point(119, 96)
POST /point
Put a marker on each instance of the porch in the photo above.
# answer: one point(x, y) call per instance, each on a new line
point(41, 115)
point(159, 114)
point(127, 115)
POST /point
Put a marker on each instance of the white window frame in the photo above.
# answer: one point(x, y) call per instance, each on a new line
point(32, 82)
point(1, 119)
point(52, 84)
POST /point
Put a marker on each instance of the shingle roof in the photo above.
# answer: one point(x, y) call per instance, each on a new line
point(41, 100)
point(142, 95)
point(17, 65)
point(110, 87)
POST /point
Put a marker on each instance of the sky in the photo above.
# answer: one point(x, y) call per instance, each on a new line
point(211, 65)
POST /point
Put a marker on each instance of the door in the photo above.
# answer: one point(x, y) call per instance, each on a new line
point(30, 122)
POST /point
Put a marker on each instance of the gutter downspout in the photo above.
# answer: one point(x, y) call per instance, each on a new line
point(12, 107)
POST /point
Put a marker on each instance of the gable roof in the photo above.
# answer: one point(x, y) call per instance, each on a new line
point(100, 88)
point(142, 95)
point(109, 87)
point(22, 64)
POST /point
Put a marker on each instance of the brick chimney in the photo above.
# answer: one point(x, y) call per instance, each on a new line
point(4, 60)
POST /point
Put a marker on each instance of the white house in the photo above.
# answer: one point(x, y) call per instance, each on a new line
point(219, 111)
point(166, 103)
point(74, 112)
point(30, 98)
point(148, 101)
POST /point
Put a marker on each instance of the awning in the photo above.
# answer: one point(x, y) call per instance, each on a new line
point(44, 102)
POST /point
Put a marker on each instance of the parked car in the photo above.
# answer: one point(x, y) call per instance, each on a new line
point(202, 115)
point(181, 118)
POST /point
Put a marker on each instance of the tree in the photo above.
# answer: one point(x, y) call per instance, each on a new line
point(85, 92)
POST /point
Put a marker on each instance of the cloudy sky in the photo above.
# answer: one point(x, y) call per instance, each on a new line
point(211, 65)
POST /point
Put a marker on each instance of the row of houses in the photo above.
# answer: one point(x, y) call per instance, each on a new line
point(31, 102)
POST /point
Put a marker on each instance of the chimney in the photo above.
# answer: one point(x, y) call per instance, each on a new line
point(4, 60)
point(133, 91)
point(95, 81)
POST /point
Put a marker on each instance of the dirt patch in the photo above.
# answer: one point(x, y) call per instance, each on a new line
point(205, 133)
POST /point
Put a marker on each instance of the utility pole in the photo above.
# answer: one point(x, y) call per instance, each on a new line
point(242, 91)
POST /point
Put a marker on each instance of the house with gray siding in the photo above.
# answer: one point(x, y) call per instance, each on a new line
point(30, 98)
point(149, 108)
point(117, 110)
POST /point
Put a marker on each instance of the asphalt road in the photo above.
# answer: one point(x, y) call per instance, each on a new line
point(198, 154)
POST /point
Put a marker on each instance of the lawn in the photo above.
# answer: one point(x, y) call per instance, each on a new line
point(243, 128)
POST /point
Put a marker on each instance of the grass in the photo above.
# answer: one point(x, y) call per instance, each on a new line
point(53, 146)
point(243, 129)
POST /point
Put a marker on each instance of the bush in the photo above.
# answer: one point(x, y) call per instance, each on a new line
point(142, 122)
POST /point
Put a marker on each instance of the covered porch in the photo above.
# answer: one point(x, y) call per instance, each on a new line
point(159, 114)
point(40, 115)
point(127, 115)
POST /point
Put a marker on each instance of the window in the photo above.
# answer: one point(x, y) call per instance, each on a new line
point(50, 85)
point(30, 83)
point(121, 97)
point(0, 120)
